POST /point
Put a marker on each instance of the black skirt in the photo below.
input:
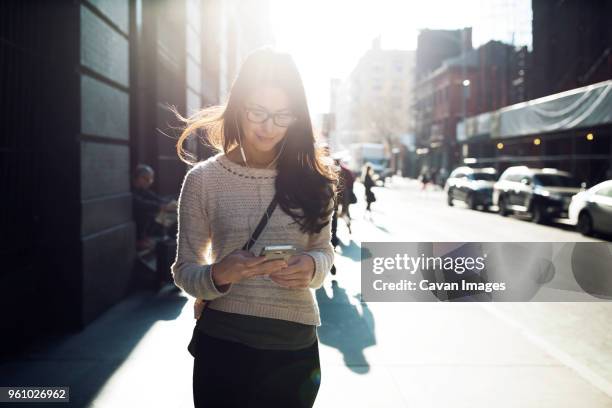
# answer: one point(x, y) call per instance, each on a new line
point(231, 374)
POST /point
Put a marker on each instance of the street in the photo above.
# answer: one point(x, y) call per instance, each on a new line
point(372, 355)
point(459, 354)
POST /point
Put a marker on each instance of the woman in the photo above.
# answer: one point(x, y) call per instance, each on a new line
point(369, 180)
point(256, 344)
point(347, 196)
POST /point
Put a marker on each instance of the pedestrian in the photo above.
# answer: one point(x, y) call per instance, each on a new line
point(425, 178)
point(346, 194)
point(346, 197)
point(369, 181)
point(434, 177)
point(335, 241)
point(255, 342)
point(147, 206)
point(340, 205)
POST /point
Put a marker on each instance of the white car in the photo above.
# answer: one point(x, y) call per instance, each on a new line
point(544, 194)
point(591, 210)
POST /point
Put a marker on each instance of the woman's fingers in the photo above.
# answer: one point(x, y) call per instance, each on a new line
point(299, 265)
point(266, 268)
point(290, 270)
point(250, 262)
point(296, 272)
point(290, 283)
point(272, 266)
point(292, 276)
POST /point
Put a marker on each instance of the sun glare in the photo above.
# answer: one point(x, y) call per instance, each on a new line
point(327, 38)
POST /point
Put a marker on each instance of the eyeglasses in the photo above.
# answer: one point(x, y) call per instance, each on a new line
point(258, 115)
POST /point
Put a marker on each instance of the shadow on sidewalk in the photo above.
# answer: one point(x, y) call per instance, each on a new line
point(351, 251)
point(345, 328)
point(84, 361)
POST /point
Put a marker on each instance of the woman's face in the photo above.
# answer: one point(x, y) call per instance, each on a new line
point(264, 118)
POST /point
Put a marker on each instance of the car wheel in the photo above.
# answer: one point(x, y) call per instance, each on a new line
point(449, 198)
point(471, 202)
point(502, 209)
point(537, 214)
point(585, 224)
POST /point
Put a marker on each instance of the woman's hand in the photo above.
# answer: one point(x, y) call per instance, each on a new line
point(240, 264)
point(298, 274)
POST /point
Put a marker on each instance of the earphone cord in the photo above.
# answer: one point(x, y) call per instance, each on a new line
point(242, 153)
point(248, 167)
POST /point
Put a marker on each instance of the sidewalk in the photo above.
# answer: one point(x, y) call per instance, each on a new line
point(381, 355)
point(374, 355)
point(134, 355)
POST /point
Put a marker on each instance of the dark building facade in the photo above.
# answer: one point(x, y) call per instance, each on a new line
point(490, 77)
point(435, 93)
point(502, 76)
point(85, 89)
point(566, 121)
point(521, 75)
point(572, 44)
point(65, 79)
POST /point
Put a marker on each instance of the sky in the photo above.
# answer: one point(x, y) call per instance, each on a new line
point(327, 37)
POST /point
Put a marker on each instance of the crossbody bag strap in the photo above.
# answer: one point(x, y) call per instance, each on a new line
point(200, 304)
point(262, 224)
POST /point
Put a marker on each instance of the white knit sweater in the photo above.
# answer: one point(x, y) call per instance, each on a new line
point(220, 204)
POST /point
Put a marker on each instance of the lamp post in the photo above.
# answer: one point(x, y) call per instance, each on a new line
point(466, 94)
point(465, 90)
point(447, 145)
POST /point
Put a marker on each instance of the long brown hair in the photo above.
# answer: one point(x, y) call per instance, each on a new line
point(305, 184)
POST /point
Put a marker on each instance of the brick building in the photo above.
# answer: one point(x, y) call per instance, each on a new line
point(566, 121)
point(490, 77)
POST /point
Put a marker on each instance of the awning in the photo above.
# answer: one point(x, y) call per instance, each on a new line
point(476, 128)
point(578, 108)
point(583, 107)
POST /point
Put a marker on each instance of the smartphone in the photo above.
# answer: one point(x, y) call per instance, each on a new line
point(273, 252)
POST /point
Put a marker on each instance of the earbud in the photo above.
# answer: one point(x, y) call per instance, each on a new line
point(242, 153)
point(240, 141)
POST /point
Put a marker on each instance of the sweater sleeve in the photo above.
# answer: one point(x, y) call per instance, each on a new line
point(322, 251)
point(190, 271)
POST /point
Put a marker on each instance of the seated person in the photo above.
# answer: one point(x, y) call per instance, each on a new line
point(155, 216)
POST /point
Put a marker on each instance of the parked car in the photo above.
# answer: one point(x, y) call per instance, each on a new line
point(591, 210)
point(543, 194)
point(472, 186)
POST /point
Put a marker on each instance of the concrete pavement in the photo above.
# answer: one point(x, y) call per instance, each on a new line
point(472, 355)
point(372, 355)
